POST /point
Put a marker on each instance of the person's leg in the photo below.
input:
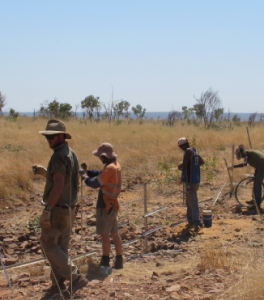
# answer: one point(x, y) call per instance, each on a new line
point(191, 195)
point(60, 220)
point(106, 244)
point(189, 210)
point(118, 243)
point(259, 176)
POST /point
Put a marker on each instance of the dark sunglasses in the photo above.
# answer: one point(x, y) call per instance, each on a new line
point(51, 136)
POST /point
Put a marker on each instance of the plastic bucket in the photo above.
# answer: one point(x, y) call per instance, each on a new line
point(207, 218)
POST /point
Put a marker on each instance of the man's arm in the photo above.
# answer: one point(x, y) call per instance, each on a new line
point(244, 164)
point(201, 161)
point(92, 182)
point(39, 170)
point(56, 191)
point(186, 158)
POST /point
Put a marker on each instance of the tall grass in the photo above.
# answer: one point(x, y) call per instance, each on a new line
point(21, 145)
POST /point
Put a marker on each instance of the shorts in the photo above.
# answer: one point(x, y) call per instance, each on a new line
point(106, 222)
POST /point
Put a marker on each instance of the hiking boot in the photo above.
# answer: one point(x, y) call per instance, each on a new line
point(198, 227)
point(251, 202)
point(105, 261)
point(78, 284)
point(188, 227)
point(252, 207)
point(118, 262)
point(55, 290)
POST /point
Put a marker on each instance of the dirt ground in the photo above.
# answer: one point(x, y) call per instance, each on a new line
point(178, 264)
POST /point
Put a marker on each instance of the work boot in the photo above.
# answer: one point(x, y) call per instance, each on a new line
point(253, 207)
point(198, 227)
point(118, 262)
point(55, 290)
point(188, 226)
point(105, 261)
point(78, 284)
point(251, 202)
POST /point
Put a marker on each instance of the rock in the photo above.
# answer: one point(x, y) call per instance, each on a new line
point(159, 263)
point(155, 274)
point(24, 275)
point(11, 261)
point(173, 288)
point(175, 296)
point(12, 245)
point(91, 221)
point(24, 244)
point(23, 237)
point(112, 294)
point(152, 247)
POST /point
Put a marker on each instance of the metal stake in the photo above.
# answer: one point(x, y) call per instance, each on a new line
point(146, 218)
point(7, 277)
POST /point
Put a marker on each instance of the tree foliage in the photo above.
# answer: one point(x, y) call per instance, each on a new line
point(55, 109)
point(139, 111)
point(92, 106)
point(187, 112)
point(2, 103)
point(121, 109)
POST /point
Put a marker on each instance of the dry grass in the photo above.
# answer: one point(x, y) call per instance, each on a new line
point(139, 146)
point(215, 255)
point(250, 286)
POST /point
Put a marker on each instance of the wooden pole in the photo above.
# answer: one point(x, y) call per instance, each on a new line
point(230, 178)
point(250, 145)
point(232, 175)
point(146, 218)
point(81, 209)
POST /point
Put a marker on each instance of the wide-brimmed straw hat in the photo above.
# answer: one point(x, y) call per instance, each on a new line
point(238, 151)
point(105, 149)
point(182, 141)
point(55, 127)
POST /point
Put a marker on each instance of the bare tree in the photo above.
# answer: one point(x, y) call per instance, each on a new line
point(2, 103)
point(207, 105)
point(173, 116)
point(252, 119)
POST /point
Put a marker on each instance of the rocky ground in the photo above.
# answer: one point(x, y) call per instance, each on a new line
point(178, 264)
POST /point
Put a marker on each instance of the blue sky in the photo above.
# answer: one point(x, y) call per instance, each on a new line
point(155, 53)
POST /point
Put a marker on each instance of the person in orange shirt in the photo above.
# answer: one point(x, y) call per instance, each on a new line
point(109, 182)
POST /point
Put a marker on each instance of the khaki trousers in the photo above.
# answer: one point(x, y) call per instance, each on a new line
point(55, 241)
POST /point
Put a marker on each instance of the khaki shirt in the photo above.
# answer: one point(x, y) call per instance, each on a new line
point(64, 161)
point(255, 158)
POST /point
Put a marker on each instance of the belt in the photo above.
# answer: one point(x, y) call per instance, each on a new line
point(65, 206)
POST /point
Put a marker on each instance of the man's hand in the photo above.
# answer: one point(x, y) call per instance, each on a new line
point(39, 170)
point(45, 219)
point(180, 167)
point(84, 166)
point(82, 173)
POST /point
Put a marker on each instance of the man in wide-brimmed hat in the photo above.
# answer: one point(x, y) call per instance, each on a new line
point(109, 182)
point(59, 198)
point(255, 159)
point(190, 168)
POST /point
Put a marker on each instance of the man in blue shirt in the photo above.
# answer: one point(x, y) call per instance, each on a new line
point(190, 168)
